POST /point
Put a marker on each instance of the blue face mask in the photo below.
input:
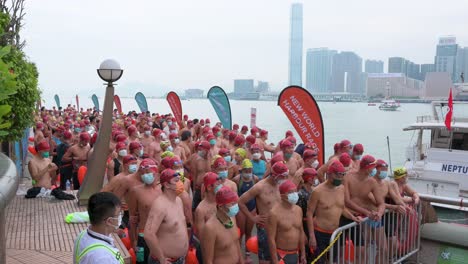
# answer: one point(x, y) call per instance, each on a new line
point(223, 174)
point(45, 154)
point(212, 142)
point(217, 188)
point(132, 168)
point(169, 123)
point(170, 148)
point(288, 155)
point(358, 157)
point(227, 158)
point(147, 178)
point(293, 197)
point(140, 153)
point(383, 174)
point(78, 130)
point(233, 210)
point(350, 152)
point(373, 172)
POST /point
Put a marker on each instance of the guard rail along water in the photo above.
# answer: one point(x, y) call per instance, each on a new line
point(393, 239)
point(8, 185)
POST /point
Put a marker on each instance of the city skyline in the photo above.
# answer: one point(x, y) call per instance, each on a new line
point(177, 46)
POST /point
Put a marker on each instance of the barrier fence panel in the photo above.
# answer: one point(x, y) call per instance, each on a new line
point(393, 239)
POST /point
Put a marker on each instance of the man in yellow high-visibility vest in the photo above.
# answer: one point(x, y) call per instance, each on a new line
point(95, 245)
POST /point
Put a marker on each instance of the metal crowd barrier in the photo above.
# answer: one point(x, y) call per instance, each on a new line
point(395, 238)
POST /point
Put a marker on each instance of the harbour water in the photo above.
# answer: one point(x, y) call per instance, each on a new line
point(357, 122)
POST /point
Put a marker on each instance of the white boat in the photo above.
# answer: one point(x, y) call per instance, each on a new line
point(440, 167)
point(389, 105)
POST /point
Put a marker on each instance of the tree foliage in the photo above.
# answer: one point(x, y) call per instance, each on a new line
point(18, 77)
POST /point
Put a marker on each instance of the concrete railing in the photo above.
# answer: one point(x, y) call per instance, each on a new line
point(9, 181)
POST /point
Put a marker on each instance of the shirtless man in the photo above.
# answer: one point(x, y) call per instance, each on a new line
point(154, 149)
point(38, 135)
point(295, 154)
point(201, 165)
point(41, 168)
point(147, 139)
point(358, 149)
point(78, 155)
point(176, 148)
point(393, 202)
point(213, 148)
point(358, 185)
point(132, 134)
point(344, 147)
point(220, 241)
point(325, 207)
point(140, 200)
point(165, 230)
point(136, 149)
point(284, 228)
point(186, 143)
point(262, 142)
point(205, 209)
point(310, 161)
point(287, 147)
point(220, 167)
point(266, 195)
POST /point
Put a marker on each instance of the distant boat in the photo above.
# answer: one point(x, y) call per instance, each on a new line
point(371, 104)
point(389, 105)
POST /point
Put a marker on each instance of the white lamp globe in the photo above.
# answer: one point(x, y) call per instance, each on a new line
point(110, 70)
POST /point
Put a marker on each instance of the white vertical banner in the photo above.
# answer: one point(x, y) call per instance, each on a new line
point(253, 117)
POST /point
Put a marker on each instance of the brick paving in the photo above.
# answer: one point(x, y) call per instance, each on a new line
point(36, 231)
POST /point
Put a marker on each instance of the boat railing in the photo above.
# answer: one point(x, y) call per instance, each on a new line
point(8, 184)
point(424, 118)
point(393, 239)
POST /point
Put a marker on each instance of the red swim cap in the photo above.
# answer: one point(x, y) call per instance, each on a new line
point(239, 140)
point(167, 175)
point(308, 154)
point(309, 173)
point(345, 159)
point(287, 186)
point(367, 162)
point(204, 145)
point(84, 136)
point(226, 196)
point(279, 168)
point(223, 151)
point(210, 178)
point(120, 145)
point(251, 139)
point(43, 145)
point(134, 145)
point(129, 158)
point(276, 158)
point(218, 163)
point(336, 167)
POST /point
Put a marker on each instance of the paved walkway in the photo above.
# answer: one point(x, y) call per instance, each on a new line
point(37, 233)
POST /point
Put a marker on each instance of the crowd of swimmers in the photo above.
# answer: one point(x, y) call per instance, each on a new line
point(196, 184)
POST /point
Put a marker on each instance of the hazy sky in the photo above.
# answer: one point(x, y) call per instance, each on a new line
point(197, 44)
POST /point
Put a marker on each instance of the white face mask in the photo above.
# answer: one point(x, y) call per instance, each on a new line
point(148, 133)
point(256, 156)
point(293, 197)
point(122, 152)
point(315, 164)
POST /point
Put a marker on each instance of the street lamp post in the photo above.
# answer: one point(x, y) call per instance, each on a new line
point(109, 71)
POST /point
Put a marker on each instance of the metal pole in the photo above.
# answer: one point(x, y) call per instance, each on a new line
point(97, 163)
point(389, 156)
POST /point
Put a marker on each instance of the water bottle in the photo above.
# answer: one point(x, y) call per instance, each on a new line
point(140, 254)
point(68, 185)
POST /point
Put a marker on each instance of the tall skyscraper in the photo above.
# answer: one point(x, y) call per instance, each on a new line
point(425, 68)
point(346, 73)
point(295, 45)
point(396, 65)
point(373, 66)
point(446, 56)
point(318, 69)
point(462, 64)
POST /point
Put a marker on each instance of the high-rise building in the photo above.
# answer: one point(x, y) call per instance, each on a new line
point(446, 56)
point(262, 87)
point(243, 86)
point(402, 65)
point(295, 45)
point(346, 73)
point(462, 64)
point(318, 69)
point(396, 65)
point(373, 66)
point(425, 68)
